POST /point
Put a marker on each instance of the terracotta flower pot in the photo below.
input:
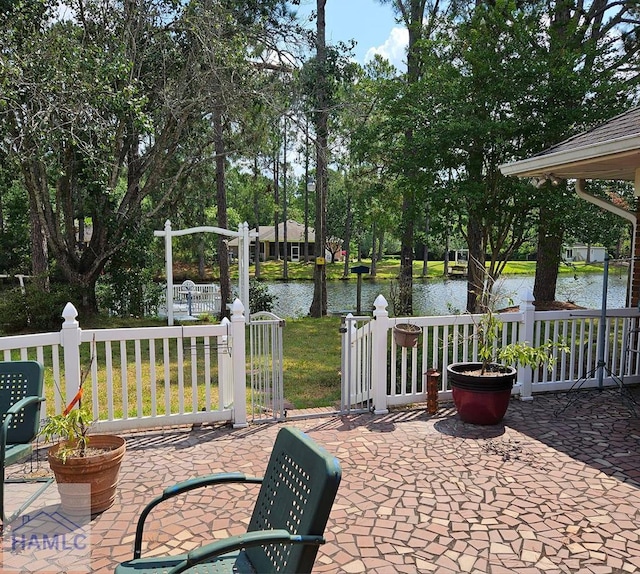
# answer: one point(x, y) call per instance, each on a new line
point(406, 334)
point(99, 469)
point(480, 399)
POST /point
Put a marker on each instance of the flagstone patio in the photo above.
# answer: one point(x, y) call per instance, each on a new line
point(554, 489)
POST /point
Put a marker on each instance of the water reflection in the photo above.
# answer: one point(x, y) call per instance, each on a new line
point(443, 297)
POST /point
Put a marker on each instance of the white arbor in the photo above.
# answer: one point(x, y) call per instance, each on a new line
point(243, 259)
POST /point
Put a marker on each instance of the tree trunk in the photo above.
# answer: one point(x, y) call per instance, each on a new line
point(425, 252)
point(221, 201)
point(347, 238)
point(285, 267)
point(413, 13)
point(476, 267)
point(405, 279)
point(256, 219)
point(548, 257)
point(447, 247)
point(374, 253)
point(201, 260)
point(321, 116)
point(307, 183)
point(39, 251)
point(276, 202)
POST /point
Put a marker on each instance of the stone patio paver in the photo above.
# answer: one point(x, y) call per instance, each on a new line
point(541, 493)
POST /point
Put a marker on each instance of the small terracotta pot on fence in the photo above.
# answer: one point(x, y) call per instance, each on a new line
point(406, 334)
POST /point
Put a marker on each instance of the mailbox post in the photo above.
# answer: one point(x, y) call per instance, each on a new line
point(359, 270)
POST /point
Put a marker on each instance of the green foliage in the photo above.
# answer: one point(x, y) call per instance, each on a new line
point(488, 334)
point(35, 310)
point(129, 292)
point(260, 299)
point(13, 311)
point(15, 253)
point(112, 107)
point(127, 288)
point(527, 356)
point(72, 428)
point(44, 308)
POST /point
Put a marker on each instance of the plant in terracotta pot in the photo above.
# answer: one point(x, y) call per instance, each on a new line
point(482, 390)
point(78, 458)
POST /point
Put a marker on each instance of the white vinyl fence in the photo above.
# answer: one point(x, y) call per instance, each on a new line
point(143, 377)
point(377, 373)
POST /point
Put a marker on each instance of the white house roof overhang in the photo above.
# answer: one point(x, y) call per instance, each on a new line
point(608, 152)
point(615, 160)
point(267, 233)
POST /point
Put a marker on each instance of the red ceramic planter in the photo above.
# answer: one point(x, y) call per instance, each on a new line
point(480, 400)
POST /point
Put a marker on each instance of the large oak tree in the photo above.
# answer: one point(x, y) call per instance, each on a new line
point(108, 106)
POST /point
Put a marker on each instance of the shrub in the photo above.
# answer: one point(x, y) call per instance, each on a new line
point(45, 307)
point(129, 293)
point(260, 299)
point(35, 309)
point(13, 311)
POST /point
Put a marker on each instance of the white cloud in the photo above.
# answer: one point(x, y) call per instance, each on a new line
point(394, 48)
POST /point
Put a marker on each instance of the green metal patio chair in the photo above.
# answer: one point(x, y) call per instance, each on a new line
point(21, 385)
point(288, 520)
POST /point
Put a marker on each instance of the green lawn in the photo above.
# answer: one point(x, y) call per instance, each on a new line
point(312, 362)
point(387, 269)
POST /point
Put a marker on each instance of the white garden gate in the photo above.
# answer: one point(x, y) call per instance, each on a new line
point(356, 363)
point(266, 368)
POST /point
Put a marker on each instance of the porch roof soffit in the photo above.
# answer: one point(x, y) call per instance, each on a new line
point(608, 152)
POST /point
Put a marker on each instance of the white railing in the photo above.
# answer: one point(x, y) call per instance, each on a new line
point(388, 374)
point(143, 377)
point(193, 299)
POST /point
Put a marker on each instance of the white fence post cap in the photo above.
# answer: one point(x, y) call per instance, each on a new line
point(380, 303)
point(69, 314)
point(237, 308)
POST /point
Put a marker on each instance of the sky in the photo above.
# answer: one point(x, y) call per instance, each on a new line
point(371, 24)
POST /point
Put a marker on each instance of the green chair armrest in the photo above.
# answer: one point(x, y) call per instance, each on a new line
point(22, 403)
point(11, 411)
point(186, 486)
point(207, 480)
point(243, 541)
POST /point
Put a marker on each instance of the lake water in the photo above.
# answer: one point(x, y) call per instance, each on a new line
point(444, 297)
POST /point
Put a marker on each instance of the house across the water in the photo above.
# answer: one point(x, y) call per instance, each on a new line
point(272, 247)
point(581, 252)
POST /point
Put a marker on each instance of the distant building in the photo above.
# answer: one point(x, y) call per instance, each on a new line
point(581, 252)
point(294, 248)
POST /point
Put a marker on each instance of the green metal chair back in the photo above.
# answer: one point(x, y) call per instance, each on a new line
point(18, 380)
point(21, 397)
point(297, 493)
point(287, 524)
